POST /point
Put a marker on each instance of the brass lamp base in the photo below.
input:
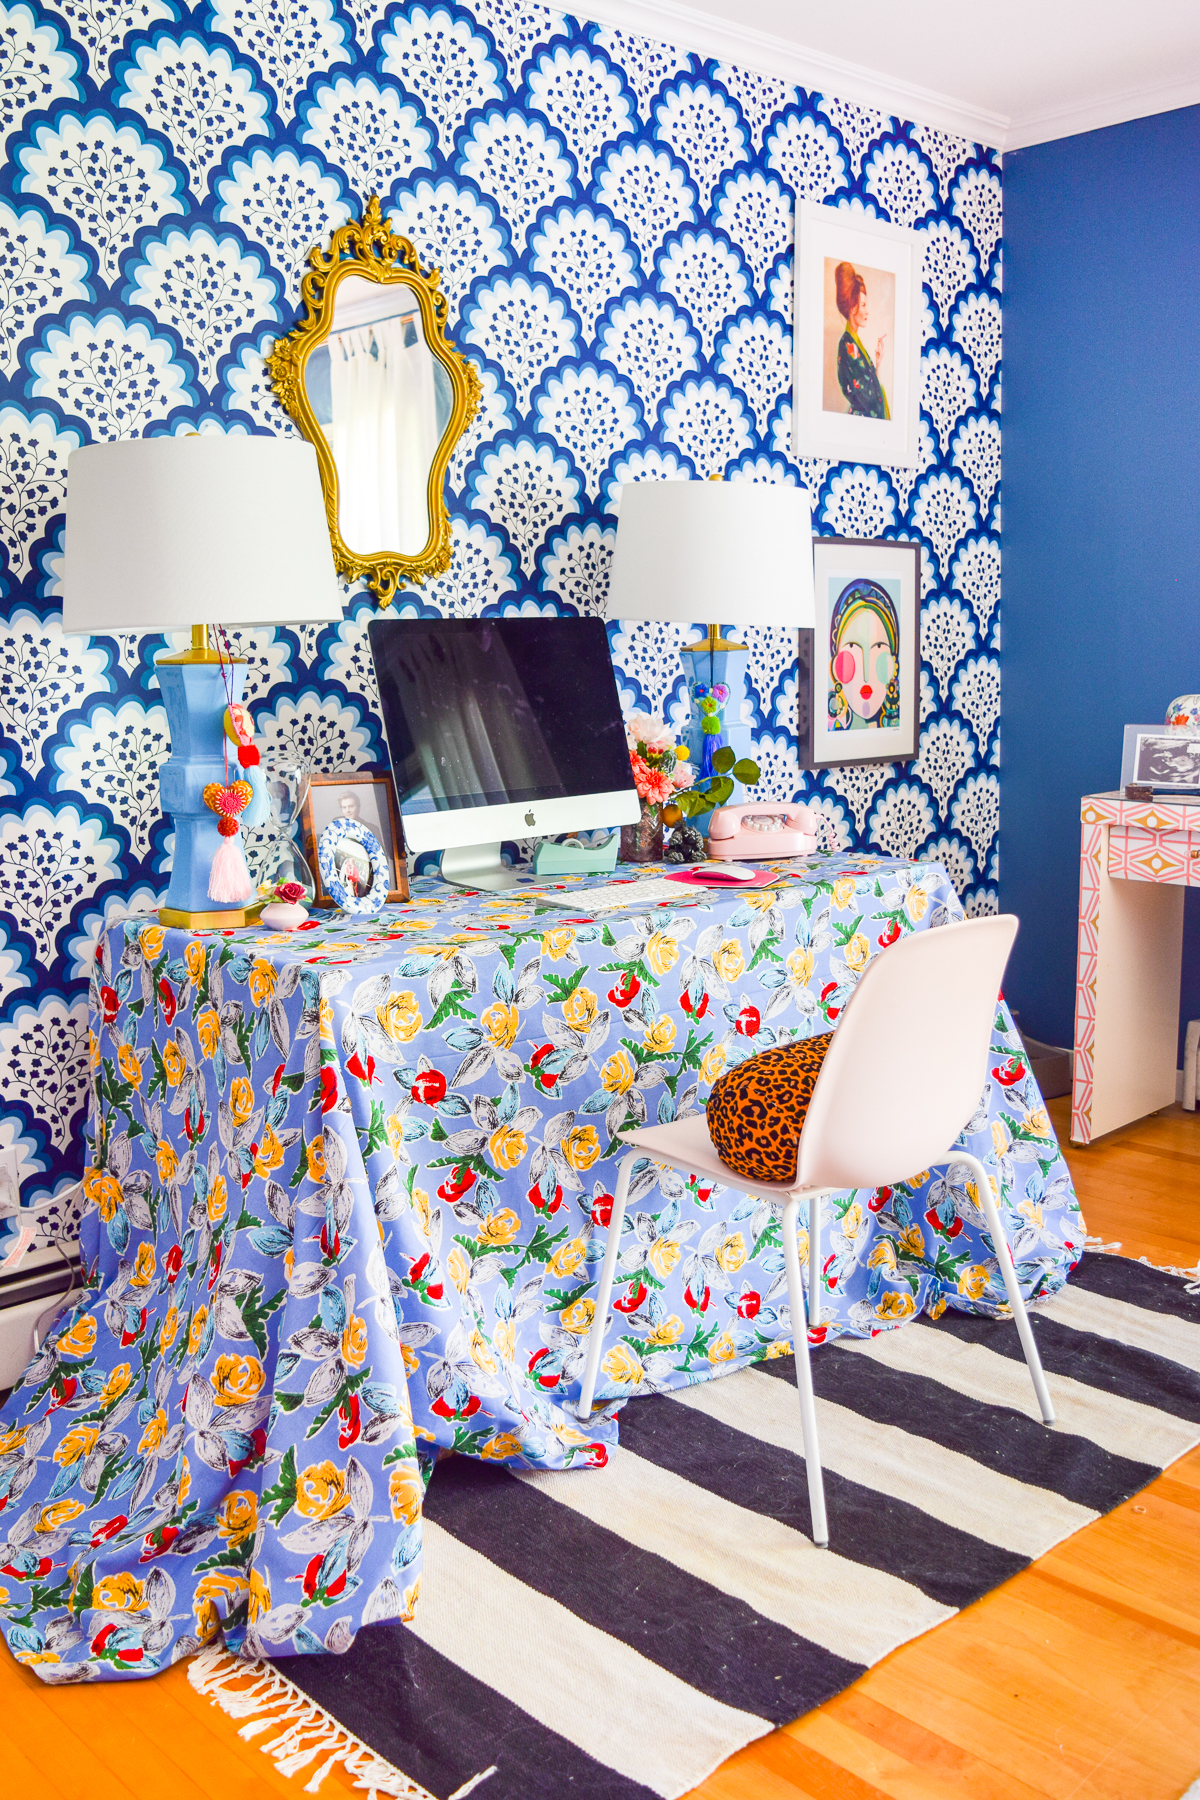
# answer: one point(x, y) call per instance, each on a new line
point(228, 919)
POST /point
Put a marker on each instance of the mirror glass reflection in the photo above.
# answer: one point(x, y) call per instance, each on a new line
point(383, 401)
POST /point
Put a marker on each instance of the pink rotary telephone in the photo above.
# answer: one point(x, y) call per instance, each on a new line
point(762, 833)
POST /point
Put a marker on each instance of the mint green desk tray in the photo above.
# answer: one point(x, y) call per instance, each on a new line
point(574, 858)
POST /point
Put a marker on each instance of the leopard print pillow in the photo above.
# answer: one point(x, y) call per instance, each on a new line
point(756, 1112)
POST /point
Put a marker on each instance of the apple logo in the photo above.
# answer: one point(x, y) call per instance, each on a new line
point(529, 819)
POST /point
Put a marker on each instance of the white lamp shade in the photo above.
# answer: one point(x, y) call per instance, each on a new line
point(734, 552)
point(178, 531)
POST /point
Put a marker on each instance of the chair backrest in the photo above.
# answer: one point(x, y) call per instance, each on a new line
point(906, 1067)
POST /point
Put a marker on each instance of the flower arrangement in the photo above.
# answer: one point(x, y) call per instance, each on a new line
point(670, 791)
point(660, 766)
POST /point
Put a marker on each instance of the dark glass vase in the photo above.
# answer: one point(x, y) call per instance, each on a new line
point(643, 842)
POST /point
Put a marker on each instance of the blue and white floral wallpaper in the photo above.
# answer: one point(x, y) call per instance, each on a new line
point(614, 222)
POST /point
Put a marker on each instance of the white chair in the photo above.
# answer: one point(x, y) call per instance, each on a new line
point(901, 1078)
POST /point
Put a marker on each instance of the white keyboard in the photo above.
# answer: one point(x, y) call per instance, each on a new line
point(626, 896)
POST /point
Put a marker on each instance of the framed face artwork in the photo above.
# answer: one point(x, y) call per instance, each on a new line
point(857, 382)
point(866, 652)
point(364, 800)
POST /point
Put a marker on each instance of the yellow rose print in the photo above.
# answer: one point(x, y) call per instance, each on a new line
point(800, 966)
point(662, 952)
point(857, 953)
point(882, 1255)
point(731, 1253)
point(580, 1008)
point(315, 1152)
point(1000, 1138)
point(151, 940)
point(260, 1596)
point(153, 1433)
point(241, 1100)
point(577, 1318)
point(712, 1063)
point(119, 1593)
point(916, 904)
point(581, 1147)
point(503, 1445)
point(208, 1030)
point(270, 1153)
point(75, 1444)
point(568, 1257)
point(104, 1191)
point(481, 1353)
point(174, 1066)
point(662, 1256)
point(504, 1337)
point(618, 1072)
point(500, 1228)
point(458, 1268)
point(118, 1380)
point(400, 1017)
point(130, 1067)
point(419, 1199)
point(557, 943)
point(660, 1036)
point(93, 1051)
point(668, 1331)
point(501, 1022)
point(843, 892)
point(354, 1341)
point(852, 1222)
point(406, 1491)
point(722, 1349)
point(196, 1330)
point(167, 1160)
point(622, 1365)
point(895, 1306)
point(262, 982)
point(218, 1200)
point(729, 959)
point(321, 1491)
point(325, 1021)
point(237, 1518)
point(144, 1264)
point(973, 1281)
point(11, 1441)
point(1038, 1122)
point(193, 956)
point(913, 1239)
point(81, 1339)
point(237, 1379)
point(170, 1328)
point(507, 1146)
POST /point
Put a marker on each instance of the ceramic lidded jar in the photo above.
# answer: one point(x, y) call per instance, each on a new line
point(1185, 710)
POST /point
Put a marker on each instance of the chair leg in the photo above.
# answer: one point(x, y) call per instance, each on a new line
point(814, 1258)
point(1016, 1300)
point(604, 1291)
point(804, 1386)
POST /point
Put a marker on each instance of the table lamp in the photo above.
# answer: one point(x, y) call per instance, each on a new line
point(735, 551)
point(194, 531)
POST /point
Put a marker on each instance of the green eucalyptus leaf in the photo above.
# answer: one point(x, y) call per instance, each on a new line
point(720, 791)
point(723, 760)
point(746, 771)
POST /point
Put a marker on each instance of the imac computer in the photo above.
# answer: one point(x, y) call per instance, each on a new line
point(500, 728)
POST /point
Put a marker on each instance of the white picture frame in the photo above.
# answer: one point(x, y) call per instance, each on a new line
point(860, 581)
point(1164, 758)
point(886, 260)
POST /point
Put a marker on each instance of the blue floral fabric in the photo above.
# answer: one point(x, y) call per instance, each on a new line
point(349, 1190)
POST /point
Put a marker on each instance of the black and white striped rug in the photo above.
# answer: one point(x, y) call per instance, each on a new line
point(620, 1633)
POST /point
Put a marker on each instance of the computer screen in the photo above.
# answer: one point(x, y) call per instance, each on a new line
point(520, 716)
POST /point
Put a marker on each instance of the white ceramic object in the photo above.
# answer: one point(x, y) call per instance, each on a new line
point(282, 917)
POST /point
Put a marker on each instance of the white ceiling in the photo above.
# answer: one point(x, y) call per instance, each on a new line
point(1008, 73)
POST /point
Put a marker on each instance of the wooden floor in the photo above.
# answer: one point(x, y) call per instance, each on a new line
point(1077, 1680)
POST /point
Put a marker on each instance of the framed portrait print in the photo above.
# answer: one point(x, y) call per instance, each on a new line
point(856, 392)
point(866, 652)
point(368, 800)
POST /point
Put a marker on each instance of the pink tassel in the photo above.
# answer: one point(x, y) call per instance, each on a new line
point(230, 878)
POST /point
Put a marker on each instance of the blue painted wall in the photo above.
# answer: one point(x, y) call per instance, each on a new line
point(1101, 505)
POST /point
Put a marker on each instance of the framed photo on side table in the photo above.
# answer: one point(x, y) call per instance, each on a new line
point(856, 390)
point(368, 800)
point(866, 651)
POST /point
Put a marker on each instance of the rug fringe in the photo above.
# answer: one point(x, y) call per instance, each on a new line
point(270, 1701)
point(1190, 1276)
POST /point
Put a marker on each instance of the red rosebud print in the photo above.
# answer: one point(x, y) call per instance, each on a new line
point(429, 1087)
point(749, 1304)
point(748, 1021)
point(109, 1528)
point(697, 1302)
point(331, 1247)
point(329, 1088)
point(602, 1207)
point(173, 1263)
point(545, 1081)
point(214, 1265)
point(546, 1381)
point(890, 935)
point(348, 1422)
point(625, 991)
point(698, 1011)
point(1009, 1072)
point(816, 1334)
point(635, 1293)
point(536, 1198)
point(166, 994)
point(109, 1004)
point(458, 1182)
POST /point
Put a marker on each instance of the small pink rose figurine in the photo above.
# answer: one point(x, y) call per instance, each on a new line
point(283, 911)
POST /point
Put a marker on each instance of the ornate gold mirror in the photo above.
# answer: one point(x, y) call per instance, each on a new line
point(372, 380)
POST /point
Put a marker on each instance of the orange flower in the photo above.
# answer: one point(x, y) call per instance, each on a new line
point(130, 1067)
point(208, 1029)
point(143, 1266)
point(354, 1340)
point(270, 1152)
point(237, 1379)
point(104, 1191)
point(241, 1099)
point(321, 1491)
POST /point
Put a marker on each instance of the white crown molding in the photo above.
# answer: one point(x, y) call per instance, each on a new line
point(1111, 109)
point(704, 35)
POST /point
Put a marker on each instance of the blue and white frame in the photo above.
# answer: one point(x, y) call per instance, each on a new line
point(352, 831)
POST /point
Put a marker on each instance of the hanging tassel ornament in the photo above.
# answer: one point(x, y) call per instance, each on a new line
point(239, 729)
point(229, 880)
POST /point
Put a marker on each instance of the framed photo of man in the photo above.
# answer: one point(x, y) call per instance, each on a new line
point(856, 394)
point(866, 652)
point(368, 800)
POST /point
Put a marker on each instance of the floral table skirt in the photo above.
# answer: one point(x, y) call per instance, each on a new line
point(349, 1191)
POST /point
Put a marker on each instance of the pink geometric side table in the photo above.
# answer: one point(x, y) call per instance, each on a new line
point(1135, 859)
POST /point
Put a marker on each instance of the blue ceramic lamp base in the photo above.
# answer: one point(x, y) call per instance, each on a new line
point(706, 668)
point(195, 699)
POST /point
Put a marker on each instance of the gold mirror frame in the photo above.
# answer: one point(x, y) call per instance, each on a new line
point(369, 248)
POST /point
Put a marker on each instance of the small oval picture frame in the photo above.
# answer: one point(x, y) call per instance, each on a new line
point(353, 868)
